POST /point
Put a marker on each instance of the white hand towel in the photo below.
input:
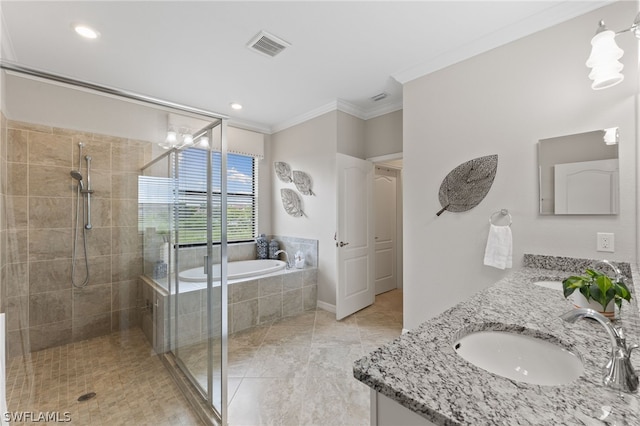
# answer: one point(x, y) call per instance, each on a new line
point(499, 250)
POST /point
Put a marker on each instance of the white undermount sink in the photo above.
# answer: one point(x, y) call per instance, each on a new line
point(520, 357)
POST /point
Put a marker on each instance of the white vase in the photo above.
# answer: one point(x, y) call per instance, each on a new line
point(580, 301)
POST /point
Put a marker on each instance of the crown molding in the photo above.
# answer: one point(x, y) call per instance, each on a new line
point(317, 112)
point(251, 126)
point(552, 16)
point(350, 109)
point(338, 105)
point(383, 109)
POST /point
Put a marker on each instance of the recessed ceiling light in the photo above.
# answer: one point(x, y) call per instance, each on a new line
point(236, 106)
point(85, 31)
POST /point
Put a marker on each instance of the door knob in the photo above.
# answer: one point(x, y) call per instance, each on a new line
point(343, 244)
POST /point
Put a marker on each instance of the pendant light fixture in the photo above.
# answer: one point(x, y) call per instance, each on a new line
point(605, 54)
point(611, 136)
point(177, 139)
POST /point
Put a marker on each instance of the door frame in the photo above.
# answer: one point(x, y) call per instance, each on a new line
point(383, 161)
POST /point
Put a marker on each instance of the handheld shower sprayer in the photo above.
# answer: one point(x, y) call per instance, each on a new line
point(83, 198)
point(77, 176)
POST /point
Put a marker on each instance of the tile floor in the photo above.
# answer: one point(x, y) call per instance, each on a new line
point(296, 371)
point(132, 385)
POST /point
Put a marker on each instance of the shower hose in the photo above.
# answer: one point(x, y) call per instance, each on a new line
point(75, 244)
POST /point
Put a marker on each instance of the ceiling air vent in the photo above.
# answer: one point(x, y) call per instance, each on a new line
point(379, 97)
point(267, 44)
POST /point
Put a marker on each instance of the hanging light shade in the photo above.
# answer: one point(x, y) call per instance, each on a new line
point(603, 61)
point(203, 142)
point(172, 137)
point(187, 139)
point(611, 136)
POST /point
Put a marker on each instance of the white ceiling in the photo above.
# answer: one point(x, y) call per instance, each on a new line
point(342, 53)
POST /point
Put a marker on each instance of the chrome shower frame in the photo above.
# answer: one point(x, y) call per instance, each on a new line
point(23, 71)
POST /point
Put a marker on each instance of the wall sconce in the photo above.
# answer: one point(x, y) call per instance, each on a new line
point(611, 136)
point(603, 60)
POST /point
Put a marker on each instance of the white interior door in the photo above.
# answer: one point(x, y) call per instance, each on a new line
point(385, 202)
point(587, 187)
point(354, 237)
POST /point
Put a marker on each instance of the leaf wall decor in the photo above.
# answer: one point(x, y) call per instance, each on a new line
point(283, 171)
point(291, 202)
point(467, 185)
point(302, 182)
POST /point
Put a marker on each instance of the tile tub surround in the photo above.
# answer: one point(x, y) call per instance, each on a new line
point(292, 244)
point(421, 371)
point(251, 302)
point(43, 309)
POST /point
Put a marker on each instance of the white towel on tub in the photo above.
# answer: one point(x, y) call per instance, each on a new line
point(499, 250)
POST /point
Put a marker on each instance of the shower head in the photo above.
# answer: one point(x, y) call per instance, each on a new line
point(77, 176)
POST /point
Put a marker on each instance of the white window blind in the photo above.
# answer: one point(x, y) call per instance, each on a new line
point(192, 197)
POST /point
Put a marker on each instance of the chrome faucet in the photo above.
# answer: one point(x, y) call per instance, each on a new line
point(619, 277)
point(286, 256)
point(619, 373)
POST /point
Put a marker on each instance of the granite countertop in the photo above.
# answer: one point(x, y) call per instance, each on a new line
point(421, 371)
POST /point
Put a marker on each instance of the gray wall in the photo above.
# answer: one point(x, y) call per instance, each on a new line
point(351, 135)
point(502, 102)
point(311, 147)
point(383, 134)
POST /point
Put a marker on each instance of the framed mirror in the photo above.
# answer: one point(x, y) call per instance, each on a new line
point(579, 174)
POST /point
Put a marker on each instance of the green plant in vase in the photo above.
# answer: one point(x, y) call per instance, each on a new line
point(598, 287)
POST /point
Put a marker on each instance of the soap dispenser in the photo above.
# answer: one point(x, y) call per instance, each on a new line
point(273, 248)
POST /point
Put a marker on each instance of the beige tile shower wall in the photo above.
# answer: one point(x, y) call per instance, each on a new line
point(43, 308)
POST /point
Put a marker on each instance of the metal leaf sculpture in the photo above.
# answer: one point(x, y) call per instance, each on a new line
point(283, 171)
point(303, 182)
point(291, 202)
point(466, 185)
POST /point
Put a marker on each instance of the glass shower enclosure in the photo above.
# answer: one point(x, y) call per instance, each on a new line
point(174, 289)
point(182, 195)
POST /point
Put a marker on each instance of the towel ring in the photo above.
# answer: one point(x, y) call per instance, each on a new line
point(502, 212)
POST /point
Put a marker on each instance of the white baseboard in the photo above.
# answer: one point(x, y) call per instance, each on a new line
point(405, 330)
point(326, 306)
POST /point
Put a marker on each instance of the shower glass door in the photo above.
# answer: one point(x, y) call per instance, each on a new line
point(198, 316)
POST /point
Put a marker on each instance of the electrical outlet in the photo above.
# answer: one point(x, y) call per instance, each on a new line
point(605, 242)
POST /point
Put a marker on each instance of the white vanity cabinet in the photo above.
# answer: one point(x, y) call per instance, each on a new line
point(387, 412)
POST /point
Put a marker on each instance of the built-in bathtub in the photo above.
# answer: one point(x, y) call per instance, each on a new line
point(235, 270)
point(252, 299)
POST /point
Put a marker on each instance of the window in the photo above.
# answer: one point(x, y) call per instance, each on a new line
point(192, 197)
